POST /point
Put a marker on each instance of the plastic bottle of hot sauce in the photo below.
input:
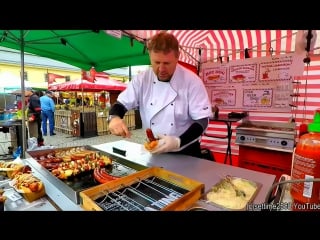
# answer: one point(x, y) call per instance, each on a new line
point(306, 165)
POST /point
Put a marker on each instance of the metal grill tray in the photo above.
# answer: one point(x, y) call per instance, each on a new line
point(74, 185)
point(147, 194)
point(152, 189)
point(86, 180)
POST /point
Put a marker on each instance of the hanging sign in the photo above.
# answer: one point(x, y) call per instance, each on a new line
point(253, 84)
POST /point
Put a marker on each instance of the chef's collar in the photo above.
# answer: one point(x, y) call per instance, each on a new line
point(164, 81)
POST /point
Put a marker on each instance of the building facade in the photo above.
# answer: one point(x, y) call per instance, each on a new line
point(35, 70)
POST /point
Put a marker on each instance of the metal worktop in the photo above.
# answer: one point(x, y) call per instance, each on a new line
point(205, 171)
point(201, 170)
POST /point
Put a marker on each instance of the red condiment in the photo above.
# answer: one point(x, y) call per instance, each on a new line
point(303, 128)
point(306, 165)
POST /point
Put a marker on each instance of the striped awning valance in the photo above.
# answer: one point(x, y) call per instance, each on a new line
point(216, 45)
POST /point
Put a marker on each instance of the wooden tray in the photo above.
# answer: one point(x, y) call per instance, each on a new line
point(189, 191)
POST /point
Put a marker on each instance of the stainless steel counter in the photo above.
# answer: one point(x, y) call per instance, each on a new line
point(202, 170)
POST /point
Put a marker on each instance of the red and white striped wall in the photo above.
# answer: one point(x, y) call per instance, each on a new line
point(308, 101)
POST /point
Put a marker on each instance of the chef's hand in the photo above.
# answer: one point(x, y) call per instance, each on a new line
point(118, 127)
point(166, 144)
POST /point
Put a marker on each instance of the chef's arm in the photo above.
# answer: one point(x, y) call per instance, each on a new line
point(174, 144)
point(117, 125)
point(194, 132)
point(118, 109)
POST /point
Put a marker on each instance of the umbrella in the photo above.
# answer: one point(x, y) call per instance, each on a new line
point(101, 84)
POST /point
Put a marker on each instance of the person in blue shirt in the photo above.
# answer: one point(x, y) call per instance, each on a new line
point(47, 113)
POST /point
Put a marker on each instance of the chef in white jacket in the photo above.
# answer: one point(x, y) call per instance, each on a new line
point(172, 101)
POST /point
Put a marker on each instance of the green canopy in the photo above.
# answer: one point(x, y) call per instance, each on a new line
point(80, 48)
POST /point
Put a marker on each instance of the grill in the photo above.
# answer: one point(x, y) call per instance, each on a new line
point(150, 194)
point(151, 189)
point(266, 146)
point(71, 187)
point(267, 135)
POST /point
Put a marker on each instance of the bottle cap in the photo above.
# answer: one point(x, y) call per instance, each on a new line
point(315, 125)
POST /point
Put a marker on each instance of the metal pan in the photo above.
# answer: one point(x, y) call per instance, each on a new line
point(74, 185)
point(234, 194)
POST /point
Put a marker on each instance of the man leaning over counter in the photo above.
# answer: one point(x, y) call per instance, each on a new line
point(172, 101)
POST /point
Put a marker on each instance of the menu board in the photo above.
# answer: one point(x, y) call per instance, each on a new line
point(253, 84)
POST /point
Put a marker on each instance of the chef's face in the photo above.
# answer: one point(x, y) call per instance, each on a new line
point(163, 64)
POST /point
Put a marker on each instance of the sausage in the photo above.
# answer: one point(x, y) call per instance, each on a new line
point(50, 165)
point(106, 175)
point(150, 135)
point(99, 177)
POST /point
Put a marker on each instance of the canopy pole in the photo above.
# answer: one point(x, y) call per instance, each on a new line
point(82, 95)
point(24, 135)
point(130, 73)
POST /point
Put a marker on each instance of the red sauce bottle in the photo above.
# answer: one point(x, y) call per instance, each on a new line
point(306, 165)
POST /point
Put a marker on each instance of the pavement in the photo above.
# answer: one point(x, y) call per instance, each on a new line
point(66, 140)
point(61, 140)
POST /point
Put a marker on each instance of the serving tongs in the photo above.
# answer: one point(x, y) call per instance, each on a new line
point(238, 191)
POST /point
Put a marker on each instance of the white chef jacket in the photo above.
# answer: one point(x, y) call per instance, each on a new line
point(167, 107)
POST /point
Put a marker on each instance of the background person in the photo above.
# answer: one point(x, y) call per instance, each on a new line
point(34, 117)
point(79, 101)
point(172, 101)
point(47, 113)
point(86, 102)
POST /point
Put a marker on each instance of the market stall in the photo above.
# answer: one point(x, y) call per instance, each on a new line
point(68, 121)
point(86, 112)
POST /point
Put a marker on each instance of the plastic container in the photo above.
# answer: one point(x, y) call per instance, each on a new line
point(18, 152)
point(7, 116)
point(306, 165)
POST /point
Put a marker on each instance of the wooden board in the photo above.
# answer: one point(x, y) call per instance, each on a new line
point(88, 124)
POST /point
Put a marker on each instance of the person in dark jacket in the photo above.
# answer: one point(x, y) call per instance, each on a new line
point(34, 117)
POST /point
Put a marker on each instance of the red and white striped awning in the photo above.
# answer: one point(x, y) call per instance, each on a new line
point(229, 44)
